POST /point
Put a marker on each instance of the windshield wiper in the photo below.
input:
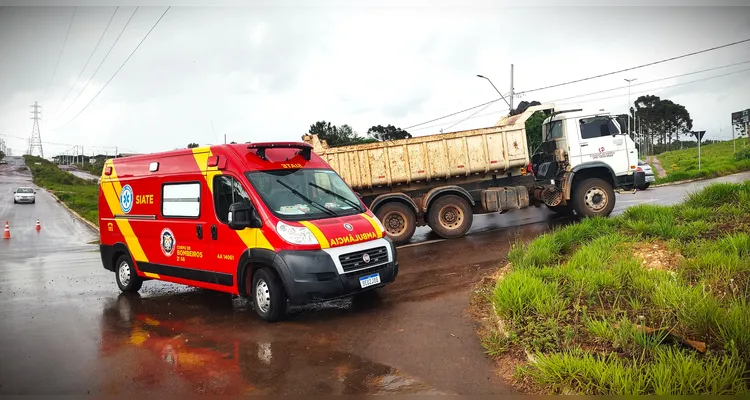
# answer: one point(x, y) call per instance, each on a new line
point(332, 193)
point(305, 198)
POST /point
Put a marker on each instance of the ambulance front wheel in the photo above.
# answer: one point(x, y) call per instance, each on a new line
point(127, 279)
point(269, 297)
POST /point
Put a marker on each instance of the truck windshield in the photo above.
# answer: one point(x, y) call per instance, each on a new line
point(303, 194)
point(553, 130)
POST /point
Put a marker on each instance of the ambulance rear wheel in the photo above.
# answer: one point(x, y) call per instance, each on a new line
point(125, 275)
point(269, 297)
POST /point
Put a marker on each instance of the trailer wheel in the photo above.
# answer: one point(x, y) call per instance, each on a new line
point(450, 216)
point(593, 197)
point(398, 220)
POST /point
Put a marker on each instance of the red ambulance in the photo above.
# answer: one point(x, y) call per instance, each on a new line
point(268, 221)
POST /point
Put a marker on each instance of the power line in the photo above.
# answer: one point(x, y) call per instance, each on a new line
point(452, 114)
point(118, 69)
point(636, 67)
point(102, 62)
point(584, 79)
point(663, 87)
point(472, 114)
point(658, 80)
point(615, 96)
point(59, 56)
point(90, 56)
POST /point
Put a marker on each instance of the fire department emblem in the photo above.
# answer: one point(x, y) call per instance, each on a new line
point(167, 242)
point(348, 227)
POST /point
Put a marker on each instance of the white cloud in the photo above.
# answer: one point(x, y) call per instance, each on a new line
point(267, 72)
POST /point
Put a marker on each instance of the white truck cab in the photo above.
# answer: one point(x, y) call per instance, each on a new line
point(585, 155)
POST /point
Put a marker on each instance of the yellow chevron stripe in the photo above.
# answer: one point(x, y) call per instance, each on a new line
point(252, 238)
point(317, 233)
point(111, 187)
point(374, 224)
point(150, 275)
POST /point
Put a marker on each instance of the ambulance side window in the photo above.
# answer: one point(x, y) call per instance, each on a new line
point(227, 190)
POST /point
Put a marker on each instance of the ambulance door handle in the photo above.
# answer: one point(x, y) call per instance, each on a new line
point(214, 232)
point(199, 231)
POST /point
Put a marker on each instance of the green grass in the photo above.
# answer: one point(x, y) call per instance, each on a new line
point(717, 159)
point(575, 298)
point(78, 194)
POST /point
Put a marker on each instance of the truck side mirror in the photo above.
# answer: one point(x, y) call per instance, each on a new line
point(243, 215)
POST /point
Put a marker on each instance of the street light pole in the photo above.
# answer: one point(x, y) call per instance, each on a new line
point(498, 92)
point(629, 80)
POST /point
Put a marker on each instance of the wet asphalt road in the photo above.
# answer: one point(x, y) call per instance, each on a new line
point(66, 330)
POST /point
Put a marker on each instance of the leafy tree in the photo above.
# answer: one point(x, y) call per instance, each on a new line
point(662, 121)
point(382, 133)
point(534, 131)
point(337, 135)
point(192, 145)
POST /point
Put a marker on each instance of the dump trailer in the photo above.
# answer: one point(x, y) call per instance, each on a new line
point(442, 180)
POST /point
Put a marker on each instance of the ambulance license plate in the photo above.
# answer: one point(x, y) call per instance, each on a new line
point(369, 280)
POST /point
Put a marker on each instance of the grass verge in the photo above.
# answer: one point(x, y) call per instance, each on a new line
point(655, 301)
point(78, 194)
point(717, 159)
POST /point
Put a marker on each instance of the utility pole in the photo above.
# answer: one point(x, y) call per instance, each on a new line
point(511, 87)
point(36, 137)
point(629, 80)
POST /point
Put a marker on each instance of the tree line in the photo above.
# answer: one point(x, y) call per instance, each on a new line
point(345, 135)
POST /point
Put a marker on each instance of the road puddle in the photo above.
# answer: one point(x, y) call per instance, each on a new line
point(171, 340)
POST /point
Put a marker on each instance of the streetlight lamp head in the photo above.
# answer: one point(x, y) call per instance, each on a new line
point(481, 76)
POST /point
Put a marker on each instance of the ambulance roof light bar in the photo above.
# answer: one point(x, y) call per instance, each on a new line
point(305, 148)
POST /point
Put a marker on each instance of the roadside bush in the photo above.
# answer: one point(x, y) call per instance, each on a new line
point(743, 154)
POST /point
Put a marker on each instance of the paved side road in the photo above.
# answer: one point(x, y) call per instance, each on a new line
point(66, 330)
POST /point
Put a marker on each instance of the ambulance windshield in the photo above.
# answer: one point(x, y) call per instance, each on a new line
point(302, 194)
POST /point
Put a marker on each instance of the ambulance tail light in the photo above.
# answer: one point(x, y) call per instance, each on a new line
point(108, 171)
point(305, 148)
point(217, 161)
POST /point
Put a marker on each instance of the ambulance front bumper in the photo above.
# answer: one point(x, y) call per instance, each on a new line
point(327, 274)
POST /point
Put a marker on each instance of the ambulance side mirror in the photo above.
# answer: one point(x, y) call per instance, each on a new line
point(243, 215)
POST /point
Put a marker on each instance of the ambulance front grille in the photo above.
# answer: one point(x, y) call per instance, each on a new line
point(356, 261)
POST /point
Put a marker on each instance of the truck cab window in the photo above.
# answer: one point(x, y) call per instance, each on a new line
point(592, 127)
point(554, 130)
point(227, 190)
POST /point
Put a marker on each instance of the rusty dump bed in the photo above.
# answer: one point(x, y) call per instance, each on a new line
point(476, 152)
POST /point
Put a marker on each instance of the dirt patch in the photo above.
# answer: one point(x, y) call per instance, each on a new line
point(481, 310)
point(656, 255)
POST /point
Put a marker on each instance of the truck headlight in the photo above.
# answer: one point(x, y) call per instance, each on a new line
point(295, 234)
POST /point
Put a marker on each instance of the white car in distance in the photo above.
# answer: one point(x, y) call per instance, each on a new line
point(24, 195)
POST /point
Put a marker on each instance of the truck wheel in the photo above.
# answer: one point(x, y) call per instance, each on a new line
point(593, 197)
point(450, 216)
point(127, 279)
point(268, 295)
point(398, 220)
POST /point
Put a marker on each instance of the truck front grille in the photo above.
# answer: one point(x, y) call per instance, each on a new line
point(356, 260)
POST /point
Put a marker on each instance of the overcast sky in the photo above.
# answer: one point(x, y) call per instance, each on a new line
point(266, 73)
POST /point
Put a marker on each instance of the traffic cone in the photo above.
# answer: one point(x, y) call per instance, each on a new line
point(6, 233)
point(38, 225)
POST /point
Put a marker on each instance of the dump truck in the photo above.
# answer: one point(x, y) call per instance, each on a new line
point(443, 180)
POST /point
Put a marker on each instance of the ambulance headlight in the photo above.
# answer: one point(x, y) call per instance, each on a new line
point(379, 224)
point(295, 234)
